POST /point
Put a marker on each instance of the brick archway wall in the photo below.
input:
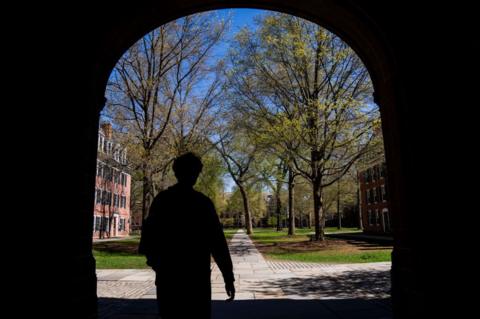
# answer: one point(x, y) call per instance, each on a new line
point(113, 30)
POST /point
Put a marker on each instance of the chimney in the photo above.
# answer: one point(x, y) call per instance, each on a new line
point(107, 130)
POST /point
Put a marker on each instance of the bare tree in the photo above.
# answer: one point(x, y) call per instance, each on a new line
point(153, 87)
point(239, 154)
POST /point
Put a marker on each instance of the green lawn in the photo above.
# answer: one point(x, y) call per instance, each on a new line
point(229, 232)
point(107, 260)
point(119, 254)
point(333, 256)
point(271, 235)
point(280, 246)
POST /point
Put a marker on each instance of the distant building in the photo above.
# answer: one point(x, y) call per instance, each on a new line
point(376, 217)
point(112, 187)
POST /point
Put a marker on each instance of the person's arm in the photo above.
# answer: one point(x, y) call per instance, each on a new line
point(221, 254)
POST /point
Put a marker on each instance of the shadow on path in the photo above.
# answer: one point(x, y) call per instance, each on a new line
point(263, 309)
point(349, 284)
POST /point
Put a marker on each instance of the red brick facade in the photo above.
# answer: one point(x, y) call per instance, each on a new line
point(376, 217)
point(112, 188)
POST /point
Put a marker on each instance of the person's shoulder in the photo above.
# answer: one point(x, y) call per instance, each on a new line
point(163, 193)
point(201, 196)
point(162, 196)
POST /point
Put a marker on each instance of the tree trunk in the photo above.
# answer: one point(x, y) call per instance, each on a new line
point(146, 191)
point(291, 198)
point(278, 206)
point(246, 210)
point(319, 218)
point(339, 226)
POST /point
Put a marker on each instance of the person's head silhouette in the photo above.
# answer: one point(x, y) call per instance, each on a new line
point(187, 167)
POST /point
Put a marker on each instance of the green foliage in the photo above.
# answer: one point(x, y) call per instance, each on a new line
point(210, 181)
point(272, 221)
point(228, 222)
point(256, 200)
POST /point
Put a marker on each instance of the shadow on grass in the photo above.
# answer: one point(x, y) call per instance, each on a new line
point(127, 247)
point(297, 245)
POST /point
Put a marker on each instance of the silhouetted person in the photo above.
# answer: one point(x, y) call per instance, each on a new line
point(179, 236)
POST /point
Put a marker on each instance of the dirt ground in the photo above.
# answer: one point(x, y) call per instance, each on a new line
point(338, 245)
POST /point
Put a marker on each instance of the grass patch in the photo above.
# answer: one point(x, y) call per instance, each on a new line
point(229, 232)
point(119, 254)
point(271, 236)
point(119, 260)
point(333, 230)
point(332, 256)
point(280, 246)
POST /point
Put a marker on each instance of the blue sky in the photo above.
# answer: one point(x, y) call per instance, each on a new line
point(239, 18)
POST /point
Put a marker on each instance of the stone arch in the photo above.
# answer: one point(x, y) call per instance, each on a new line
point(344, 18)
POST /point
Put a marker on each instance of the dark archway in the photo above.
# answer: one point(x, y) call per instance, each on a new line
point(116, 29)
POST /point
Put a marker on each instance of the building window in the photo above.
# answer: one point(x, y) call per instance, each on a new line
point(374, 173)
point(106, 198)
point(370, 218)
point(377, 217)
point(100, 143)
point(378, 195)
point(99, 169)
point(98, 196)
point(383, 170)
point(123, 179)
point(97, 223)
point(384, 193)
point(123, 202)
point(371, 196)
point(121, 225)
point(107, 173)
point(105, 224)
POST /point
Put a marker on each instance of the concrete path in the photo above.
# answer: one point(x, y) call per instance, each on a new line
point(265, 289)
point(250, 269)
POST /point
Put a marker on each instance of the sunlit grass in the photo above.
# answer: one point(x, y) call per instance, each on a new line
point(333, 256)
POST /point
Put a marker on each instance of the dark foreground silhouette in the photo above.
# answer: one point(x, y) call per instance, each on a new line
point(260, 309)
point(179, 237)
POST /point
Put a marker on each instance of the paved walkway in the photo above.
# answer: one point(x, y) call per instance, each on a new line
point(265, 289)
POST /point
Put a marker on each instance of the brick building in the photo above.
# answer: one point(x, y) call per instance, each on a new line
point(112, 187)
point(374, 204)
